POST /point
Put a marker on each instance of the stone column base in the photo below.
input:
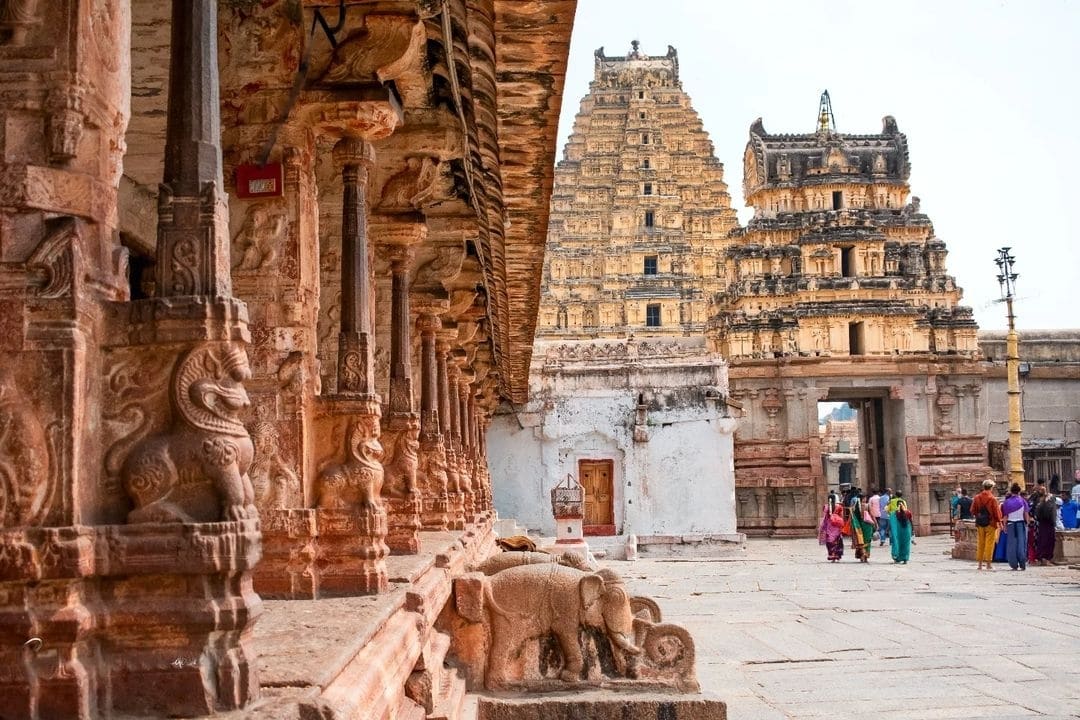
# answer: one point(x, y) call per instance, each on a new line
point(456, 509)
point(149, 619)
point(403, 519)
point(436, 513)
point(289, 570)
point(352, 552)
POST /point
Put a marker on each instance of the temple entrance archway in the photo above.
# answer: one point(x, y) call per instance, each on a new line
point(863, 446)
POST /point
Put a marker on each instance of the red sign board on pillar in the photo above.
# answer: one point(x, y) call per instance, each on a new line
point(259, 181)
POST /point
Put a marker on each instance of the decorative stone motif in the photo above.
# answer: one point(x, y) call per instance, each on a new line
point(29, 476)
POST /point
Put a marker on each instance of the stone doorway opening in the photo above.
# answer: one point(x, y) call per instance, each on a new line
point(597, 477)
point(861, 443)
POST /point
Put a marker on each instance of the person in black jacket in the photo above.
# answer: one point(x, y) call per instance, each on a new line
point(963, 505)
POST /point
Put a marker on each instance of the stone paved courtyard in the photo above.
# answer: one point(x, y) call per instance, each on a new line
point(781, 633)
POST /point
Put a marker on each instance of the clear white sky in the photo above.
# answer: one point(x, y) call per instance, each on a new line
point(987, 92)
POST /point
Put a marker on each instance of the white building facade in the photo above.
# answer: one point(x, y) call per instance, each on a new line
point(642, 425)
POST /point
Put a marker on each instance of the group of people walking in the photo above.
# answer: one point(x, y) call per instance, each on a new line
point(1029, 521)
point(884, 517)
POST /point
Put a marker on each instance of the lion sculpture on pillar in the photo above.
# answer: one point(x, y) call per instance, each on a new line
point(197, 471)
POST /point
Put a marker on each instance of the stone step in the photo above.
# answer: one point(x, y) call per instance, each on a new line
point(410, 711)
point(435, 657)
point(450, 702)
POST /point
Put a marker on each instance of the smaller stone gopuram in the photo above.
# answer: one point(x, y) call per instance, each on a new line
point(838, 291)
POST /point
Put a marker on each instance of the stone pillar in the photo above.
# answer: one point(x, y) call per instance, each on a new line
point(192, 533)
point(431, 478)
point(63, 77)
point(355, 366)
point(401, 438)
point(351, 517)
point(467, 458)
point(449, 407)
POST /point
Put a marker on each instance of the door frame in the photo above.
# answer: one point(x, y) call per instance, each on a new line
point(607, 528)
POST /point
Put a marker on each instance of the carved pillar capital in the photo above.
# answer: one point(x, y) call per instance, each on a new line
point(352, 151)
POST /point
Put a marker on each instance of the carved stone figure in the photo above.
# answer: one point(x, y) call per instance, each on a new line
point(255, 246)
point(524, 604)
point(411, 188)
point(431, 477)
point(26, 485)
point(197, 471)
point(400, 473)
point(506, 560)
point(357, 482)
point(16, 17)
point(272, 478)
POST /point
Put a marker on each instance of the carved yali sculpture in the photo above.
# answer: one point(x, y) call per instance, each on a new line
point(197, 471)
point(400, 474)
point(357, 482)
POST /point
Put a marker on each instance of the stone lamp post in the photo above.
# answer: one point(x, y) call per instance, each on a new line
point(1007, 279)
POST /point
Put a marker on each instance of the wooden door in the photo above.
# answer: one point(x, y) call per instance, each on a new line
point(598, 479)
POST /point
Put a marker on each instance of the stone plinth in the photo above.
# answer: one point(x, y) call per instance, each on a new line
point(289, 568)
point(965, 536)
point(596, 706)
point(351, 551)
point(404, 523)
point(149, 619)
point(1066, 546)
point(369, 656)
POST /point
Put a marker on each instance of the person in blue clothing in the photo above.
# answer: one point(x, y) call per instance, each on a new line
point(1068, 511)
point(883, 518)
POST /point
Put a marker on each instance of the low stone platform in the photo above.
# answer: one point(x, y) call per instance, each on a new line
point(375, 656)
point(613, 547)
point(603, 706)
point(1066, 546)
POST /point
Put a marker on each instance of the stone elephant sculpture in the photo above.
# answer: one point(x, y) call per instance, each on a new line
point(529, 602)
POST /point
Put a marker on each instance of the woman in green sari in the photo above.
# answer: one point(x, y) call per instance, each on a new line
point(862, 527)
point(900, 527)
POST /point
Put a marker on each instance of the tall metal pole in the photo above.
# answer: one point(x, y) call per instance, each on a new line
point(1007, 279)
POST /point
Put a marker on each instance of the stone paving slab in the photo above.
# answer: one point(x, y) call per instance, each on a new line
point(782, 634)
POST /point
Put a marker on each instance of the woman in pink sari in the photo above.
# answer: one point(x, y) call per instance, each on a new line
point(829, 534)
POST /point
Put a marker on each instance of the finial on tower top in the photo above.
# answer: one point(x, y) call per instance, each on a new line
point(826, 123)
point(635, 51)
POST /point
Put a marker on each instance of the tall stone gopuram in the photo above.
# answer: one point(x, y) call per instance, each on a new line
point(837, 291)
point(622, 381)
point(640, 209)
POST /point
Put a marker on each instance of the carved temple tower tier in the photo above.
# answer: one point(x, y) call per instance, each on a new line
point(837, 291)
point(639, 212)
